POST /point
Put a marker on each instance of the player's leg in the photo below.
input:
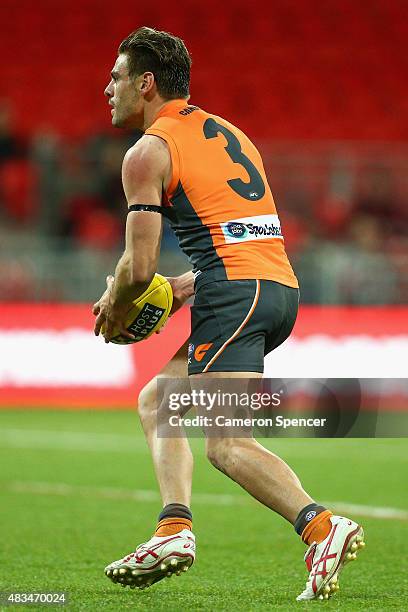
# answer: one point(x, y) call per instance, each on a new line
point(260, 472)
point(172, 458)
point(231, 321)
point(333, 540)
point(171, 550)
point(246, 314)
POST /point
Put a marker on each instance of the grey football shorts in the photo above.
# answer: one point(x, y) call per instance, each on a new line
point(234, 324)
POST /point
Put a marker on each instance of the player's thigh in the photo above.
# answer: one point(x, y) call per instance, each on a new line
point(177, 366)
point(174, 369)
point(223, 403)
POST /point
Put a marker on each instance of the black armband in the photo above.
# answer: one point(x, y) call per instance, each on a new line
point(162, 210)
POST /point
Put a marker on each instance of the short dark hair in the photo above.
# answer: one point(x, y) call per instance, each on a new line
point(164, 55)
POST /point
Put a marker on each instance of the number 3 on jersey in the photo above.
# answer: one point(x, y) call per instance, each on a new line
point(255, 189)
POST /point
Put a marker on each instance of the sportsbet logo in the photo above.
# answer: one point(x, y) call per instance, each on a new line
point(251, 228)
point(236, 230)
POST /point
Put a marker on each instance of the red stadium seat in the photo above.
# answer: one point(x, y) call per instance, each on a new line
point(18, 182)
point(332, 69)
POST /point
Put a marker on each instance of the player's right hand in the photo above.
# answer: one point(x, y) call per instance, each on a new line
point(179, 298)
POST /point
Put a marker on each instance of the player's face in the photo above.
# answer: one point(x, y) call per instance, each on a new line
point(122, 93)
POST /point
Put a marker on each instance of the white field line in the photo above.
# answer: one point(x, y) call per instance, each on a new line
point(139, 495)
point(368, 511)
point(99, 442)
point(71, 440)
point(144, 495)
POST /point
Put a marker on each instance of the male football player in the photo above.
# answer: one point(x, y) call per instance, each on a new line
point(208, 177)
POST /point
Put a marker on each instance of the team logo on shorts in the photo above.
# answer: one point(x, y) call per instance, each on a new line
point(201, 350)
point(236, 230)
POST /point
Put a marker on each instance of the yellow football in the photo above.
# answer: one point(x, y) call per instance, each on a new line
point(149, 312)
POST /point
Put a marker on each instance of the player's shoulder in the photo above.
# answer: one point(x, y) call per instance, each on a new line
point(147, 150)
point(148, 156)
point(148, 146)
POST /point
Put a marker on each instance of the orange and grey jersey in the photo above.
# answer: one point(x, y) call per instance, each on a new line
point(224, 213)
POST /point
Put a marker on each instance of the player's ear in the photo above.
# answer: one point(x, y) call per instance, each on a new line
point(147, 82)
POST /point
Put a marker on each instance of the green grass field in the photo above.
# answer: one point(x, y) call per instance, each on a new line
point(78, 491)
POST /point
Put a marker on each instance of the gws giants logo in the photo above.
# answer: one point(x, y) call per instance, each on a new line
point(201, 350)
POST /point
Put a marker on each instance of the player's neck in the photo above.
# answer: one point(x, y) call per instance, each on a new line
point(152, 109)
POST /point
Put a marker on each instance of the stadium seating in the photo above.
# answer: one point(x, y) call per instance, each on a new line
point(281, 70)
point(18, 190)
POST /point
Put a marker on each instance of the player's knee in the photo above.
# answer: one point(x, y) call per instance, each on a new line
point(147, 402)
point(219, 452)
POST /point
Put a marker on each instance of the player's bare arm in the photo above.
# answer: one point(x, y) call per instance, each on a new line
point(146, 168)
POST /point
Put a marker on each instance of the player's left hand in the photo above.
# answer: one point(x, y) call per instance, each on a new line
point(110, 314)
point(105, 297)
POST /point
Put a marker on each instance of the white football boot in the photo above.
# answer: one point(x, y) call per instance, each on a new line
point(325, 561)
point(154, 560)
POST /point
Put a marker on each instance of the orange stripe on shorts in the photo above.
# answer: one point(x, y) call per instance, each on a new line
point(238, 330)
